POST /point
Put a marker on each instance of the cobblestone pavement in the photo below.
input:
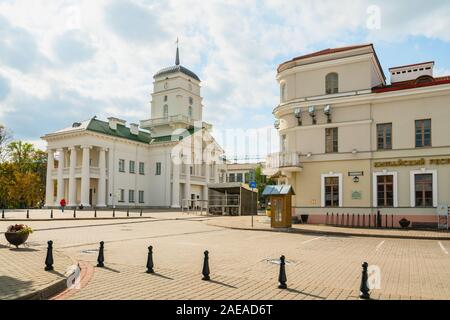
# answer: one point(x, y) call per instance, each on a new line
point(263, 223)
point(243, 263)
point(22, 271)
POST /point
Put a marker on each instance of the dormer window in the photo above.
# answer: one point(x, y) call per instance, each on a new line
point(166, 111)
point(332, 83)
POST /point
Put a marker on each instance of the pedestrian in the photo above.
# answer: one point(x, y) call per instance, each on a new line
point(62, 204)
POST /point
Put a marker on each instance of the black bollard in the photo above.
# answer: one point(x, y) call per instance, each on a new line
point(150, 260)
point(128, 212)
point(49, 257)
point(51, 213)
point(332, 218)
point(101, 257)
point(282, 276)
point(326, 220)
point(337, 219)
point(141, 212)
point(95, 213)
point(205, 270)
point(364, 220)
point(28, 214)
point(364, 289)
point(114, 213)
point(3, 213)
point(74, 213)
point(392, 221)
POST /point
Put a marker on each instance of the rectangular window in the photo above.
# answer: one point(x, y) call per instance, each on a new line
point(131, 196)
point(141, 196)
point(158, 168)
point(231, 177)
point(385, 191)
point(121, 165)
point(122, 195)
point(384, 136)
point(423, 133)
point(239, 177)
point(332, 192)
point(132, 166)
point(423, 190)
point(331, 140)
point(141, 168)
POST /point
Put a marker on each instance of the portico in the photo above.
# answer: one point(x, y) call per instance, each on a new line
point(80, 176)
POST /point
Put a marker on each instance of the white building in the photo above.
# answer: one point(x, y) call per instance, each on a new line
point(106, 163)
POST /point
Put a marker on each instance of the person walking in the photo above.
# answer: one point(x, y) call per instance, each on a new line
point(62, 204)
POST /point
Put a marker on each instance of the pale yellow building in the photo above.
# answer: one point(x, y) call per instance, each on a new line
point(352, 144)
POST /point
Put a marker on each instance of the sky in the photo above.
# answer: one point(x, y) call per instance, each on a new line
point(63, 61)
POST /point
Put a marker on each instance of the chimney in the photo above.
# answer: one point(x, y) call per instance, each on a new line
point(134, 129)
point(113, 122)
point(411, 72)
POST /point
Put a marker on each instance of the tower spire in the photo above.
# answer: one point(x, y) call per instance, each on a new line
point(177, 57)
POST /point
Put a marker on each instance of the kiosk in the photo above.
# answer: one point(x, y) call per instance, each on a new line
point(281, 205)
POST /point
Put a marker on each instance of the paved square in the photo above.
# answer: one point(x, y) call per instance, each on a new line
point(319, 266)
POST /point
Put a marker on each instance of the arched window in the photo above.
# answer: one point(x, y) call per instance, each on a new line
point(190, 112)
point(283, 92)
point(166, 111)
point(332, 83)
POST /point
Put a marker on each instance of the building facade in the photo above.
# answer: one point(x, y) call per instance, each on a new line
point(166, 159)
point(352, 144)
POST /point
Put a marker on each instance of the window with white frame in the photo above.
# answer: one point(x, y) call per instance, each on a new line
point(423, 188)
point(121, 165)
point(385, 189)
point(121, 195)
point(141, 168)
point(158, 168)
point(332, 83)
point(331, 190)
point(141, 196)
point(131, 196)
point(132, 166)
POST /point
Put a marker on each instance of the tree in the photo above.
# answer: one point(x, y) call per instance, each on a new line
point(22, 176)
point(5, 138)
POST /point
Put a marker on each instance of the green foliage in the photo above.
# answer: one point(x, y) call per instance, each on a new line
point(22, 176)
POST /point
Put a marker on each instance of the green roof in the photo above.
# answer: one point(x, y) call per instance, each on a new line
point(124, 132)
point(121, 131)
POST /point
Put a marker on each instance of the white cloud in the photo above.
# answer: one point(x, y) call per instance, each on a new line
point(98, 57)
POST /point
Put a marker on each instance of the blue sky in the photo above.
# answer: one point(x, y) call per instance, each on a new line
point(63, 60)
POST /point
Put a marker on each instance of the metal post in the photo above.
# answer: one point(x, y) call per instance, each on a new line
point(101, 257)
point(49, 257)
point(392, 221)
point(51, 213)
point(3, 213)
point(95, 213)
point(326, 219)
point(28, 214)
point(205, 270)
point(150, 260)
point(114, 212)
point(364, 289)
point(282, 276)
point(128, 212)
point(75, 213)
point(141, 212)
point(337, 219)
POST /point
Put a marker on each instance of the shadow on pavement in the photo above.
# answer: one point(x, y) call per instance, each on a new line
point(12, 288)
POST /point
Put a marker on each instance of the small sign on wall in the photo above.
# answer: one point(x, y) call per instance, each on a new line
point(356, 195)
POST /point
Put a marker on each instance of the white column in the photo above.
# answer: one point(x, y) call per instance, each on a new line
point(205, 188)
point(175, 182)
point(101, 192)
point(49, 201)
point(187, 185)
point(72, 179)
point(60, 185)
point(85, 177)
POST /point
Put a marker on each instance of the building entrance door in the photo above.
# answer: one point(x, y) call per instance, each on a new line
point(279, 218)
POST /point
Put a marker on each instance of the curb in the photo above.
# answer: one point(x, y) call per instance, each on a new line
point(79, 219)
point(338, 234)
